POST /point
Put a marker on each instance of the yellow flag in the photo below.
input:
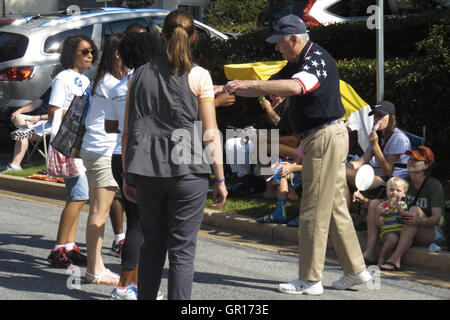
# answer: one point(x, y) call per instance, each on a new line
point(350, 99)
point(253, 70)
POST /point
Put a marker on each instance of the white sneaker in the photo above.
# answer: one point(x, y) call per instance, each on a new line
point(10, 167)
point(129, 293)
point(301, 287)
point(350, 280)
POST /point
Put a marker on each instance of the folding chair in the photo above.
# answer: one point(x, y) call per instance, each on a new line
point(42, 130)
point(416, 140)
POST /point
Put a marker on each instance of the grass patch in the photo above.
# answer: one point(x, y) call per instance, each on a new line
point(28, 169)
point(253, 206)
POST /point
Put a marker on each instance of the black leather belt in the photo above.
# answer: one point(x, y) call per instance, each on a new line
point(306, 133)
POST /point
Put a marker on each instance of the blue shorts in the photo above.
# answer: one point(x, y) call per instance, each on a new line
point(77, 188)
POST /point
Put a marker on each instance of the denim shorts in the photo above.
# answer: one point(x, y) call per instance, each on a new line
point(77, 188)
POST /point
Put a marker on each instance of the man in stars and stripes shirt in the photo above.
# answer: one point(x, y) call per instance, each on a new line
point(311, 81)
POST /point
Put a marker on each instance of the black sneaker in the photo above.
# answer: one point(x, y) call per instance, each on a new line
point(77, 257)
point(58, 258)
point(116, 249)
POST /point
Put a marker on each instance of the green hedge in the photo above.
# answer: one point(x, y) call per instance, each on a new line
point(417, 73)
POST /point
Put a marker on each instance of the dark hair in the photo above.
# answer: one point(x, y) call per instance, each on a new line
point(178, 28)
point(57, 69)
point(108, 62)
point(69, 50)
point(135, 27)
point(389, 131)
point(136, 49)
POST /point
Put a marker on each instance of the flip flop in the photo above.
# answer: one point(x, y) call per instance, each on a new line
point(395, 268)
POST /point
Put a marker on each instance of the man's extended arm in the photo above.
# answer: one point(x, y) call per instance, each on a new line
point(257, 88)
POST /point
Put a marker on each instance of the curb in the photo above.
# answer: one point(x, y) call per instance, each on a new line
point(34, 187)
point(271, 233)
point(280, 234)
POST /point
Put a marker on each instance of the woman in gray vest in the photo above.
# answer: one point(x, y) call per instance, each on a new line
point(170, 111)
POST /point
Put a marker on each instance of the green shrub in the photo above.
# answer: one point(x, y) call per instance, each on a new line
point(233, 16)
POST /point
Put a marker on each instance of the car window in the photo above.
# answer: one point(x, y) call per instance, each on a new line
point(350, 8)
point(159, 22)
point(201, 33)
point(12, 46)
point(358, 8)
point(121, 26)
point(53, 43)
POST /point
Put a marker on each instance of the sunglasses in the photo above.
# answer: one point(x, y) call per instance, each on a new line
point(85, 52)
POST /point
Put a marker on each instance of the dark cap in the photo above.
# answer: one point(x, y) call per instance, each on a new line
point(422, 153)
point(383, 108)
point(290, 24)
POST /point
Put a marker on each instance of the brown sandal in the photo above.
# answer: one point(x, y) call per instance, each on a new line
point(389, 263)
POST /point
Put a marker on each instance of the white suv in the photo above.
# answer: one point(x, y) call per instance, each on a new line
point(29, 47)
point(324, 12)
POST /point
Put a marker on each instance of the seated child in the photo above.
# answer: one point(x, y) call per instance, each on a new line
point(389, 215)
point(289, 176)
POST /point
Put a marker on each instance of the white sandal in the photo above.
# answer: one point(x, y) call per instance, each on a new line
point(98, 279)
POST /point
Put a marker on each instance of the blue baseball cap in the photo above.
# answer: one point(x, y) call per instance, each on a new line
point(290, 24)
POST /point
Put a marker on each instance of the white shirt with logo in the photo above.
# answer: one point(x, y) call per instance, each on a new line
point(65, 86)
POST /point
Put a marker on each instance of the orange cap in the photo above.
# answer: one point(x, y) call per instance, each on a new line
point(422, 153)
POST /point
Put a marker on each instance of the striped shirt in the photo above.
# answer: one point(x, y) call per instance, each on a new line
point(392, 220)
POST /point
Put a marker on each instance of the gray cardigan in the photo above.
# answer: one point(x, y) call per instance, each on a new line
point(164, 139)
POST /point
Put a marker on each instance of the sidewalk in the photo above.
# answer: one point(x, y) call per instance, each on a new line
point(270, 233)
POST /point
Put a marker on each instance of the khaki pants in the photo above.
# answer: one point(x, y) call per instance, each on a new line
point(323, 209)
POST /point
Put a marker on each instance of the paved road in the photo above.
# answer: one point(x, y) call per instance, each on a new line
point(224, 269)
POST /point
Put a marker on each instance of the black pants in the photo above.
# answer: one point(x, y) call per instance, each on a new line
point(171, 214)
point(133, 237)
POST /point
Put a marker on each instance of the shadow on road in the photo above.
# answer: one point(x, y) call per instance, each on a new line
point(30, 273)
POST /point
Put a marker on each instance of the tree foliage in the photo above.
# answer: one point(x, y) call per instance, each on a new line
point(232, 15)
